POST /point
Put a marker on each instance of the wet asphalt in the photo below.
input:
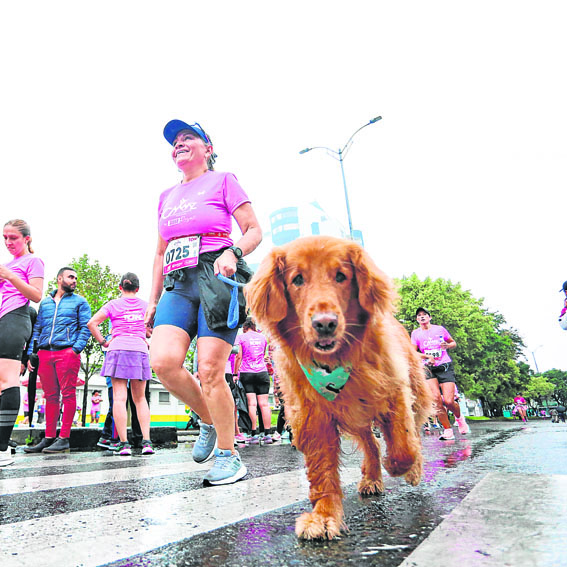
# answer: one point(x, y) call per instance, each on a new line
point(402, 517)
point(382, 530)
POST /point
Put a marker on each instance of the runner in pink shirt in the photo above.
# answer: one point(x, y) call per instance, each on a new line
point(251, 365)
point(432, 342)
point(21, 281)
point(188, 300)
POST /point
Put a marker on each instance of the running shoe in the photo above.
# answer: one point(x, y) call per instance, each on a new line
point(266, 440)
point(463, 425)
point(228, 468)
point(122, 448)
point(240, 438)
point(276, 436)
point(285, 435)
point(447, 435)
point(254, 440)
point(6, 457)
point(105, 443)
point(205, 444)
point(147, 447)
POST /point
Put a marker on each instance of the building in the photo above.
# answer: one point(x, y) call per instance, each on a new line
point(288, 223)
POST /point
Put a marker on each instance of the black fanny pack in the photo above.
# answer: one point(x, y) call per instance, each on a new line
point(215, 294)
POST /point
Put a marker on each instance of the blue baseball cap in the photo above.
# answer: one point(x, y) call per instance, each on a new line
point(173, 127)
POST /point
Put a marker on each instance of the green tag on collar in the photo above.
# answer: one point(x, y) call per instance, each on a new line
point(328, 384)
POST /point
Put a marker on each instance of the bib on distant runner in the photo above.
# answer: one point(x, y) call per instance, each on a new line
point(435, 353)
point(181, 253)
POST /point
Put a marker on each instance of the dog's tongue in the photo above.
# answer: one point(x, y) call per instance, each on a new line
point(326, 342)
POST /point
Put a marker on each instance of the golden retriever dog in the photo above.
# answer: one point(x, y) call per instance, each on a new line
point(345, 363)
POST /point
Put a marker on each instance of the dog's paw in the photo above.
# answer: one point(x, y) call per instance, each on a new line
point(398, 466)
point(312, 525)
point(368, 486)
point(413, 476)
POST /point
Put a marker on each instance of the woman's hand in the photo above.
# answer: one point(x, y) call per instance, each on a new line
point(5, 273)
point(225, 264)
point(149, 317)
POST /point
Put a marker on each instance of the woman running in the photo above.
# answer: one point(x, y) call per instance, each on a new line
point(194, 246)
point(21, 281)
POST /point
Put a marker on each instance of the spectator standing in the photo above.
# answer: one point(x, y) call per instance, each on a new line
point(250, 365)
point(432, 342)
point(127, 359)
point(96, 400)
point(62, 334)
point(21, 281)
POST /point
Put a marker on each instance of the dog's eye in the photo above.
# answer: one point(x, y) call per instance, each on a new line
point(340, 277)
point(297, 280)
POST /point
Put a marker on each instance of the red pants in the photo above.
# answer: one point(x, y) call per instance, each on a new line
point(58, 370)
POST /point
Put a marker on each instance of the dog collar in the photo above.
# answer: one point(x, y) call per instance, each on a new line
point(328, 384)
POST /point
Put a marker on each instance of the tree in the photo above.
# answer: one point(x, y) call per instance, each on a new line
point(97, 285)
point(559, 379)
point(539, 388)
point(487, 353)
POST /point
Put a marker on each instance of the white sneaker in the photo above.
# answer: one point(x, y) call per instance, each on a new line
point(463, 425)
point(6, 457)
point(447, 435)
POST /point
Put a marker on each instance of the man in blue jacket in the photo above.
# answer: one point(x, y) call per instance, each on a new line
point(61, 332)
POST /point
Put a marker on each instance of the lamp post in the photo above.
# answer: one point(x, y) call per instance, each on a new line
point(533, 356)
point(340, 155)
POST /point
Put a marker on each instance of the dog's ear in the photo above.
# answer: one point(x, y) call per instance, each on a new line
point(375, 290)
point(265, 294)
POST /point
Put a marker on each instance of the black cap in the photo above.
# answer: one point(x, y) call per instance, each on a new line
point(422, 309)
point(564, 286)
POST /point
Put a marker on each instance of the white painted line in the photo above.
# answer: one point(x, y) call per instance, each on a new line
point(52, 482)
point(506, 520)
point(91, 538)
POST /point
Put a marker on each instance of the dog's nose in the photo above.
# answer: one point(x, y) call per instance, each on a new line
point(325, 323)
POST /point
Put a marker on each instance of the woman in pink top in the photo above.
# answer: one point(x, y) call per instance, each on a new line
point(21, 281)
point(126, 359)
point(194, 224)
point(521, 407)
point(432, 342)
point(250, 365)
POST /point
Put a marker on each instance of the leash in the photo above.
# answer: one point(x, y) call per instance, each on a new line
point(232, 320)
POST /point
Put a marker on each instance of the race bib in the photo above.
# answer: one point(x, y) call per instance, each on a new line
point(435, 353)
point(181, 253)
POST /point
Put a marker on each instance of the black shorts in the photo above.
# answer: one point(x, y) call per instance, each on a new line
point(15, 330)
point(255, 382)
point(444, 373)
point(229, 380)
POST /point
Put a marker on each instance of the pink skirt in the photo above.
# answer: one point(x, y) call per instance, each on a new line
point(127, 364)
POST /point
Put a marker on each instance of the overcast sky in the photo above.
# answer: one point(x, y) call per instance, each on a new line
point(463, 178)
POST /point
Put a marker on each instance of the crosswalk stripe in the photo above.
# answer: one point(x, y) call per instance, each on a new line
point(522, 524)
point(122, 530)
point(39, 483)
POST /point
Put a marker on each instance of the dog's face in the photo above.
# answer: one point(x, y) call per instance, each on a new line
point(321, 287)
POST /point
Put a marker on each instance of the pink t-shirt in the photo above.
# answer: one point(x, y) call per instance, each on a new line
point(520, 400)
point(26, 267)
point(429, 341)
point(253, 345)
point(128, 329)
point(203, 205)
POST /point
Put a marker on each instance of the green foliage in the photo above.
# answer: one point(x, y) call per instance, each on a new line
point(538, 388)
point(559, 379)
point(487, 356)
point(98, 285)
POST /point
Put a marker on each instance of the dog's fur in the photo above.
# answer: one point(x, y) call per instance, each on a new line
point(322, 300)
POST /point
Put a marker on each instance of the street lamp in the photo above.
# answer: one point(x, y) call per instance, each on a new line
point(340, 155)
point(533, 356)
